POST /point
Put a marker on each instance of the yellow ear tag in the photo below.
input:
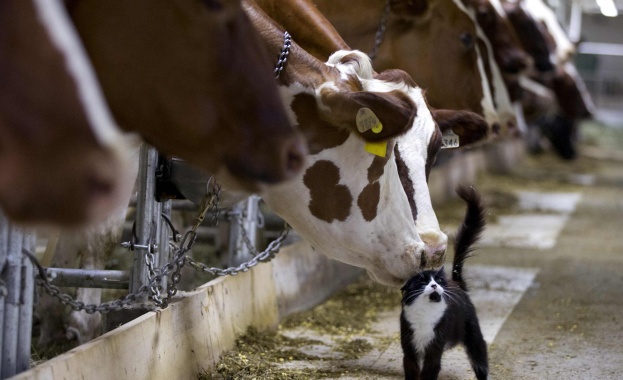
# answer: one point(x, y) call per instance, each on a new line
point(367, 120)
point(377, 148)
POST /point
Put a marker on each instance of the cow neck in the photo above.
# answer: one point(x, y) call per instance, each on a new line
point(301, 67)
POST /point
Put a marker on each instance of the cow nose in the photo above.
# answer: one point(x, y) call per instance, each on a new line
point(435, 243)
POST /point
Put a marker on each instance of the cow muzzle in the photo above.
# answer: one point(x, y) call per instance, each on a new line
point(435, 245)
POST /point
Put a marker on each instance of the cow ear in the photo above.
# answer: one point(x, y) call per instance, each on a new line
point(394, 110)
point(470, 126)
point(408, 8)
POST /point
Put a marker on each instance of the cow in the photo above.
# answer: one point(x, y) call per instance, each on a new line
point(62, 157)
point(349, 204)
point(556, 96)
point(169, 71)
point(417, 36)
point(508, 52)
point(191, 77)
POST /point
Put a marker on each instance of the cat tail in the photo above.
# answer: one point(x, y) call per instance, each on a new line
point(469, 232)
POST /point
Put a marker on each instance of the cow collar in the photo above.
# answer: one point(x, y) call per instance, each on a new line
point(283, 56)
point(380, 32)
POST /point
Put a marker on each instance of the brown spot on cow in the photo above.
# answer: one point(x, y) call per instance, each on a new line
point(368, 201)
point(320, 135)
point(329, 200)
point(405, 180)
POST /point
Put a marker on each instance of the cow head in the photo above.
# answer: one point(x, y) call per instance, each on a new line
point(194, 80)
point(531, 35)
point(507, 50)
point(349, 203)
point(62, 159)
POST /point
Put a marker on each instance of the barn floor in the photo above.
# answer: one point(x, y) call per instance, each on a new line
point(546, 280)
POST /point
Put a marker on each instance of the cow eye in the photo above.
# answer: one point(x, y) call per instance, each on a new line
point(213, 5)
point(467, 39)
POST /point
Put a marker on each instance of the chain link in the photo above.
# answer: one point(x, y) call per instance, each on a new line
point(380, 32)
point(283, 56)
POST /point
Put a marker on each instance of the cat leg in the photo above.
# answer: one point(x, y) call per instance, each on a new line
point(432, 362)
point(476, 349)
point(410, 364)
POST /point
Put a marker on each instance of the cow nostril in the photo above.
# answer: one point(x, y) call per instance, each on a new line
point(295, 152)
point(495, 128)
point(96, 187)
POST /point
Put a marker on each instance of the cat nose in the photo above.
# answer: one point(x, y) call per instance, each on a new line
point(434, 286)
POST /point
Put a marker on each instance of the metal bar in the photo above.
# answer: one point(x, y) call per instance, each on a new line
point(164, 233)
point(26, 306)
point(238, 250)
point(82, 278)
point(600, 48)
point(145, 209)
point(4, 237)
point(12, 277)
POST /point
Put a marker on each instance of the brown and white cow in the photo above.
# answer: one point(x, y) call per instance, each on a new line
point(193, 79)
point(62, 158)
point(418, 36)
point(555, 95)
point(348, 203)
point(169, 70)
point(507, 49)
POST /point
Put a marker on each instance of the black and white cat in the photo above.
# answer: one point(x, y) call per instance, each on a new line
point(437, 313)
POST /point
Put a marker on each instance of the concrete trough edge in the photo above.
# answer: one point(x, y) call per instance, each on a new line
point(192, 333)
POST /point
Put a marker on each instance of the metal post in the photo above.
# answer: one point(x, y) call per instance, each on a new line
point(26, 304)
point(146, 217)
point(4, 237)
point(164, 253)
point(249, 211)
point(16, 298)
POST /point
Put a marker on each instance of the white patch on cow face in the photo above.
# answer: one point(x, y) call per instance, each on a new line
point(55, 19)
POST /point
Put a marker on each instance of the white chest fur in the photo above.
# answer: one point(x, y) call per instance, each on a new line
point(424, 315)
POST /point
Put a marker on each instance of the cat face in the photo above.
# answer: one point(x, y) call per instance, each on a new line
point(428, 283)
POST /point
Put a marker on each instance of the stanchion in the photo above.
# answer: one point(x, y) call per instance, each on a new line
point(16, 298)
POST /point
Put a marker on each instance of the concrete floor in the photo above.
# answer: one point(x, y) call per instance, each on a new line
point(546, 280)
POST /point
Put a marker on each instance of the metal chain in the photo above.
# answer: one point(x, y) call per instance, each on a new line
point(283, 56)
point(66, 299)
point(260, 257)
point(209, 204)
point(154, 287)
point(380, 32)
